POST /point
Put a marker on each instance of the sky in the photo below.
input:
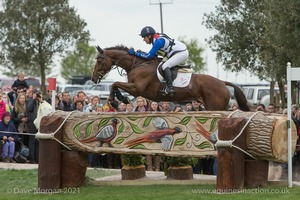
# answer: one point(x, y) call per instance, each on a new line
point(116, 22)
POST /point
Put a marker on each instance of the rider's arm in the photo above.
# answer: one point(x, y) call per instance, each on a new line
point(158, 44)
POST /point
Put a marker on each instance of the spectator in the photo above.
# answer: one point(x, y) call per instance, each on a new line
point(8, 149)
point(13, 95)
point(154, 106)
point(196, 106)
point(91, 107)
point(82, 97)
point(141, 107)
point(32, 106)
point(6, 99)
point(178, 108)
point(261, 107)
point(165, 106)
point(99, 108)
point(188, 107)
point(3, 106)
point(294, 110)
point(129, 107)
point(271, 108)
point(20, 118)
point(66, 104)
point(49, 97)
point(20, 83)
point(122, 107)
point(29, 93)
point(78, 105)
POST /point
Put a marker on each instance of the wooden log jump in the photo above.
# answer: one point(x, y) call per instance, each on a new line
point(185, 134)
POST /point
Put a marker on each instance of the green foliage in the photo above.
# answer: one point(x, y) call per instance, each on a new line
point(259, 36)
point(80, 62)
point(195, 51)
point(133, 159)
point(32, 32)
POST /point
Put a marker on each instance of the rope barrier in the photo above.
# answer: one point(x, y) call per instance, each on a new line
point(45, 136)
point(229, 143)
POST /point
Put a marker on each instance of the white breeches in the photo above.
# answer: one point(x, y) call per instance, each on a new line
point(176, 59)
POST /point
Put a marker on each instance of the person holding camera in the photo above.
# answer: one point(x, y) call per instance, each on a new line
point(32, 106)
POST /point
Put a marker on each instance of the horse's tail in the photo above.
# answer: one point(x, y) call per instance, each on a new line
point(240, 97)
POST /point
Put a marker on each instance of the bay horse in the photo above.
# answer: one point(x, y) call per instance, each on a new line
point(143, 81)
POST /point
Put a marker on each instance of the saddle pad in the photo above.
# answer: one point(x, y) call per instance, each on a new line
point(182, 79)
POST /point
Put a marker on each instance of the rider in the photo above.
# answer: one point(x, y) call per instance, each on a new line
point(173, 51)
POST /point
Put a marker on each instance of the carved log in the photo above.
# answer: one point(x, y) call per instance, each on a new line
point(256, 173)
point(231, 161)
point(133, 172)
point(266, 133)
point(49, 170)
point(267, 136)
point(180, 173)
point(74, 165)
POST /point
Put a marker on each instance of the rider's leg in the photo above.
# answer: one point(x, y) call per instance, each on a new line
point(168, 64)
point(169, 82)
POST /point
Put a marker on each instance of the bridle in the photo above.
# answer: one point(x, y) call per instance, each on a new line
point(103, 63)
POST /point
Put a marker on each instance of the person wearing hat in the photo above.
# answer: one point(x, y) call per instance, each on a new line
point(7, 138)
point(173, 51)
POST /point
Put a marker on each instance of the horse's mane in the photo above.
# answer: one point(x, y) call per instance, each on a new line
point(118, 47)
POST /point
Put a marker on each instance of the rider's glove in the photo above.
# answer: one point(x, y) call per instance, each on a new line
point(131, 52)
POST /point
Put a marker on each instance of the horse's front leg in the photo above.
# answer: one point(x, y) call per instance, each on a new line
point(127, 87)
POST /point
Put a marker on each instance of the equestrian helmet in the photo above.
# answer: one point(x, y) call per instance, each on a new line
point(148, 30)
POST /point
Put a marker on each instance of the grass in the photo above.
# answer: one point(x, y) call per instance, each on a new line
point(22, 184)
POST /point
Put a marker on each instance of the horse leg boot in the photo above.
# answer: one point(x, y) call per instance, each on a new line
point(169, 83)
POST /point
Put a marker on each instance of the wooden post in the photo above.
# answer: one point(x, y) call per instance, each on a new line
point(49, 171)
point(231, 161)
point(256, 173)
point(73, 169)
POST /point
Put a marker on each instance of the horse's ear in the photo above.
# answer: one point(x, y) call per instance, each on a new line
point(99, 49)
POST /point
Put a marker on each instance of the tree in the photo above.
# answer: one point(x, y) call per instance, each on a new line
point(258, 36)
point(32, 32)
point(80, 62)
point(195, 59)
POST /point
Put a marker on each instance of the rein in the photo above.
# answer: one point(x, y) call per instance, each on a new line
point(133, 65)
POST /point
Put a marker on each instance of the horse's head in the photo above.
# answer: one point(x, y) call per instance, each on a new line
point(102, 66)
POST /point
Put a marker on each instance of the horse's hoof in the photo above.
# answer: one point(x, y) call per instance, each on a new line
point(125, 100)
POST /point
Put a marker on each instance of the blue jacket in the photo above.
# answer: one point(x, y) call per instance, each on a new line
point(10, 127)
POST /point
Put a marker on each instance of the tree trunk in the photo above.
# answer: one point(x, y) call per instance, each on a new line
point(180, 173)
point(133, 172)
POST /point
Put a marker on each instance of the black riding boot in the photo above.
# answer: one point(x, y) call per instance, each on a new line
point(169, 84)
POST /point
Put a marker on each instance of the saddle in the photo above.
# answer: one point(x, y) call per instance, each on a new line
point(176, 69)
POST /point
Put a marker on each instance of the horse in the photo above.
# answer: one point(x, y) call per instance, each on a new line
point(211, 92)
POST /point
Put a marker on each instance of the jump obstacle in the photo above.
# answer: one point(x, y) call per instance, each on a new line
point(243, 142)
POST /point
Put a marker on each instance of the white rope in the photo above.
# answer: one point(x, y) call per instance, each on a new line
point(47, 136)
point(229, 143)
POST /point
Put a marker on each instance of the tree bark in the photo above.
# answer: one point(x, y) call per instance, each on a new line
point(133, 172)
point(180, 173)
point(256, 173)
